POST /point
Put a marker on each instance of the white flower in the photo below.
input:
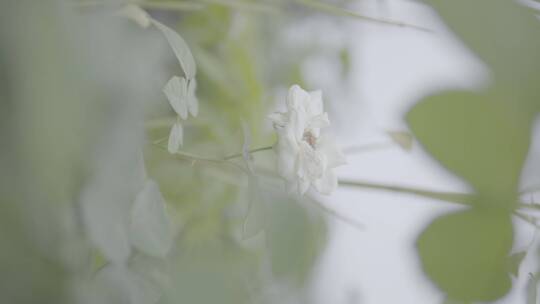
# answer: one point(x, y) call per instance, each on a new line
point(181, 95)
point(305, 156)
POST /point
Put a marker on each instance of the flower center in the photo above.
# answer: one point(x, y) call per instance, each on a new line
point(309, 138)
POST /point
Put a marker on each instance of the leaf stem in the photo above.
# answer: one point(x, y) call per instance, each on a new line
point(337, 11)
point(194, 159)
point(460, 198)
point(236, 155)
point(158, 5)
point(368, 147)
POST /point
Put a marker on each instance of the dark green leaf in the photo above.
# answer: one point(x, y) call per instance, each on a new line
point(505, 35)
point(465, 254)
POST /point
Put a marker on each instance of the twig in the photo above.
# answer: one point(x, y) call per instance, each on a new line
point(334, 10)
point(460, 198)
point(250, 151)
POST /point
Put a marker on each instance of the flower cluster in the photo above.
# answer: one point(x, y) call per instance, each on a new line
point(306, 157)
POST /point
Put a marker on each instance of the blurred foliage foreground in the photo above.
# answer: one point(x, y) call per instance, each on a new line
point(94, 211)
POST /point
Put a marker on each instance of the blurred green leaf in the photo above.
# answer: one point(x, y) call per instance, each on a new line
point(218, 272)
point(465, 254)
point(475, 136)
point(293, 238)
point(505, 35)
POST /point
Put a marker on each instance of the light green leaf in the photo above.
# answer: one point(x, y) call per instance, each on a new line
point(150, 229)
point(465, 254)
point(505, 35)
point(475, 136)
point(293, 238)
point(180, 49)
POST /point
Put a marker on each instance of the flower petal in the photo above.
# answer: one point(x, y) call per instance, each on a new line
point(278, 119)
point(334, 155)
point(319, 121)
point(287, 154)
point(297, 98)
point(176, 92)
point(303, 186)
point(175, 138)
point(327, 183)
point(315, 106)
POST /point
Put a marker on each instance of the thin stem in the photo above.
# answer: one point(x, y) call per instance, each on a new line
point(194, 159)
point(159, 5)
point(246, 5)
point(354, 223)
point(368, 147)
point(334, 10)
point(460, 198)
point(236, 155)
point(171, 5)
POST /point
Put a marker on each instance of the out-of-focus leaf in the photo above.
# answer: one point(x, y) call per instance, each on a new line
point(452, 301)
point(213, 273)
point(514, 261)
point(293, 238)
point(180, 49)
point(150, 229)
point(465, 254)
point(118, 284)
point(478, 138)
point(505, 35)
point(403, 139)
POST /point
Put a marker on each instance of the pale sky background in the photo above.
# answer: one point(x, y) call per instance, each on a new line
point(391, 68)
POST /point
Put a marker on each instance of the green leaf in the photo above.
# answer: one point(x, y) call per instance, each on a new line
point(465, 254)
point(293, 238)
point(180, 49)
point(505, 36)
point(477, 138)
